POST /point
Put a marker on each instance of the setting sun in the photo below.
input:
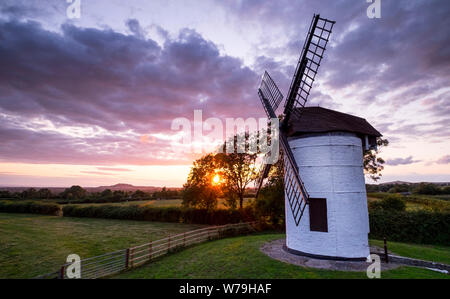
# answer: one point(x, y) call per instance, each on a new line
point(216, 179)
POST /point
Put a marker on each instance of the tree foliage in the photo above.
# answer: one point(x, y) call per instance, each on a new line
point(74, 192)
point(373, 163)
point(270, 201)
point(234, 165)
point(427, 188)
point(199, 192)
point(238, 171)
point(392, 202)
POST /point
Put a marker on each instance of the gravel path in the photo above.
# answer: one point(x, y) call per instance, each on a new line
point(275, 250)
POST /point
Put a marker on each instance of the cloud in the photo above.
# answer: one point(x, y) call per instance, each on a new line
point(86, 95)
point(134, 26)
point(113, 169)
point(82, 95)
point(388, 63)
point(97, 172)
point(444, 160)
point(401, 161)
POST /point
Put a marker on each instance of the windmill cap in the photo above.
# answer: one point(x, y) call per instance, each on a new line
point(321, 120)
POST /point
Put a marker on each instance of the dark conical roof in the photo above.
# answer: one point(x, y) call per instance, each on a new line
point(320, 120)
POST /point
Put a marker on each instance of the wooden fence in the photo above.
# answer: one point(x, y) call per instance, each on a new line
point(118, 261)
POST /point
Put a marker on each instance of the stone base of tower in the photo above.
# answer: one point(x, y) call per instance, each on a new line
point(324, 257)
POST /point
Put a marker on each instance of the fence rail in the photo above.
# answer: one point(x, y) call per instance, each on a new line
point(120, 260)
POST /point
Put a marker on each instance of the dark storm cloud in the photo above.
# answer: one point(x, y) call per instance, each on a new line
point(127, 85)
point(409, 47)
point(93, 78)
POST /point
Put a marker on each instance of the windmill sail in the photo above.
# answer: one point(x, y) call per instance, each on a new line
point(270, 97)
point(308, 65)
point(294, 189)
point(312, 54)
point(270, 91)
point(262, 175)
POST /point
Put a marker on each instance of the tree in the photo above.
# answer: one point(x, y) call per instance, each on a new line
point(199, 192)
point(427, 188)
point(29, 193)
point(445, 190)
point(74, 192)
point(237, 168)
point(5, 194)
point(139, 194)
point(107, 193)
point(391, 202)
point(373, 164)
point(44, 193)
point(118, 195)
point(399, 188)
point(270, 201)
point(237, 171)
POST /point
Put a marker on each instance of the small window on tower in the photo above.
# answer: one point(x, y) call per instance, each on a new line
point(318, 215)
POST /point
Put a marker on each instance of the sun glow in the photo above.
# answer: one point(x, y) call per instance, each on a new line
point(216, 179)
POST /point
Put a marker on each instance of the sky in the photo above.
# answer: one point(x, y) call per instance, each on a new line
point(91, 100)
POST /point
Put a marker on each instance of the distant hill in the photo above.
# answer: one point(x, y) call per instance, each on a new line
point(128, 187)
point(122, 187)
point(397, 183)
point(409, 183)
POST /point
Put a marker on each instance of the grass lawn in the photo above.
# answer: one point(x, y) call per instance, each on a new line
point(31, 245)
point(434, 253)
point(240, 257)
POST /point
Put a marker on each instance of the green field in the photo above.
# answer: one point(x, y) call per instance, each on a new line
point(31, 245)
point(414, 202)
point(155, 203)
point(240, 257)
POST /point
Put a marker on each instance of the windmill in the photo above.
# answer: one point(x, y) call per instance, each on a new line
point(313, 142)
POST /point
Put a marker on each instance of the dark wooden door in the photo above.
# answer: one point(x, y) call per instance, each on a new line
point(318, 215)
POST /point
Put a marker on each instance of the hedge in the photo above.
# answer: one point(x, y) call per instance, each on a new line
point(413, 227)
point(167, 214)
point(31, 207)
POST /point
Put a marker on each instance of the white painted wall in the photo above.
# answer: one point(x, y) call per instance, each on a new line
point(331, 167)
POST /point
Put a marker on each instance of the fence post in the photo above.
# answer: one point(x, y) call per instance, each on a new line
point(132, 257)
point(184, 239)
point(168, 245)
point(150, 250)
point(61, 272)
point(386, 256)
point(127, 258)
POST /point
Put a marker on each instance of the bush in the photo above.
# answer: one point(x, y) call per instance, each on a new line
point(32, 207)
point(269, 205)
point(168, 214)
point(414, 227)
point(427, 188)
point(389, 203)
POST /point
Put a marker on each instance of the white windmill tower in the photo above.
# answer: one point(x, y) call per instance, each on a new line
point(325, 195)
